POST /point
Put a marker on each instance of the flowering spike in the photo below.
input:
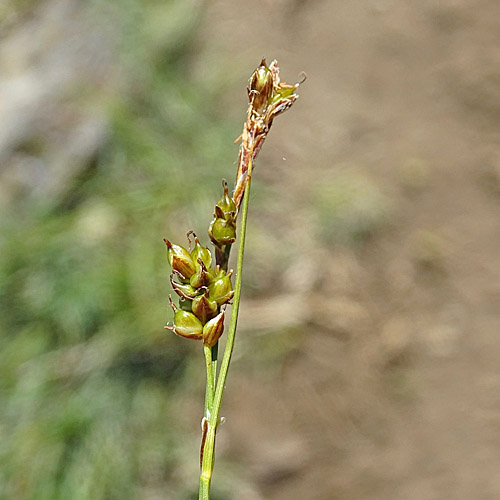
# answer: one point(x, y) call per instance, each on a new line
point(266, 101)
point(204, 292)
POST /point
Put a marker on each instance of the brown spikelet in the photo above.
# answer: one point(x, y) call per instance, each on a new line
point(268, 98)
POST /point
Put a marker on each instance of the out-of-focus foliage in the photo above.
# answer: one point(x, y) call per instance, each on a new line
point(349, 208)
point(88, 378)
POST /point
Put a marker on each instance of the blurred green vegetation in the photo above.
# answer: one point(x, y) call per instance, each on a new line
point(89, 382)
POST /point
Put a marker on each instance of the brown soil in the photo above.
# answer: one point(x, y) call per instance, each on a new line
point(392, 388)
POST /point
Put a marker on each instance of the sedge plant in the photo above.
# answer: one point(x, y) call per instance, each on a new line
point(201, 278)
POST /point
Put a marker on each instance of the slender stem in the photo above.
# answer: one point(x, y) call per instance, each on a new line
point(210, 353)
point(209, 445)
point(209, 393)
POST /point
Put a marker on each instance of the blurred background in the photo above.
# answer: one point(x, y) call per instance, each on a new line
point(366, 364)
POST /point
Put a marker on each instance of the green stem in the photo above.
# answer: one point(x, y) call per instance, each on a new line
point(209, 393)
point(209, 446)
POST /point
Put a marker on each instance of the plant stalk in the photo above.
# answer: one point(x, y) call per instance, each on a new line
point(210, 388)
point(208, 451)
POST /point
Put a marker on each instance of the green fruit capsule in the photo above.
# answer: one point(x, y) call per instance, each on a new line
point(204, 308)
point(222, 232)
point(200, 252)
point(180, 260)
point(213, 330)
point(186, 324)
point(221, 289)
point(225, 207)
